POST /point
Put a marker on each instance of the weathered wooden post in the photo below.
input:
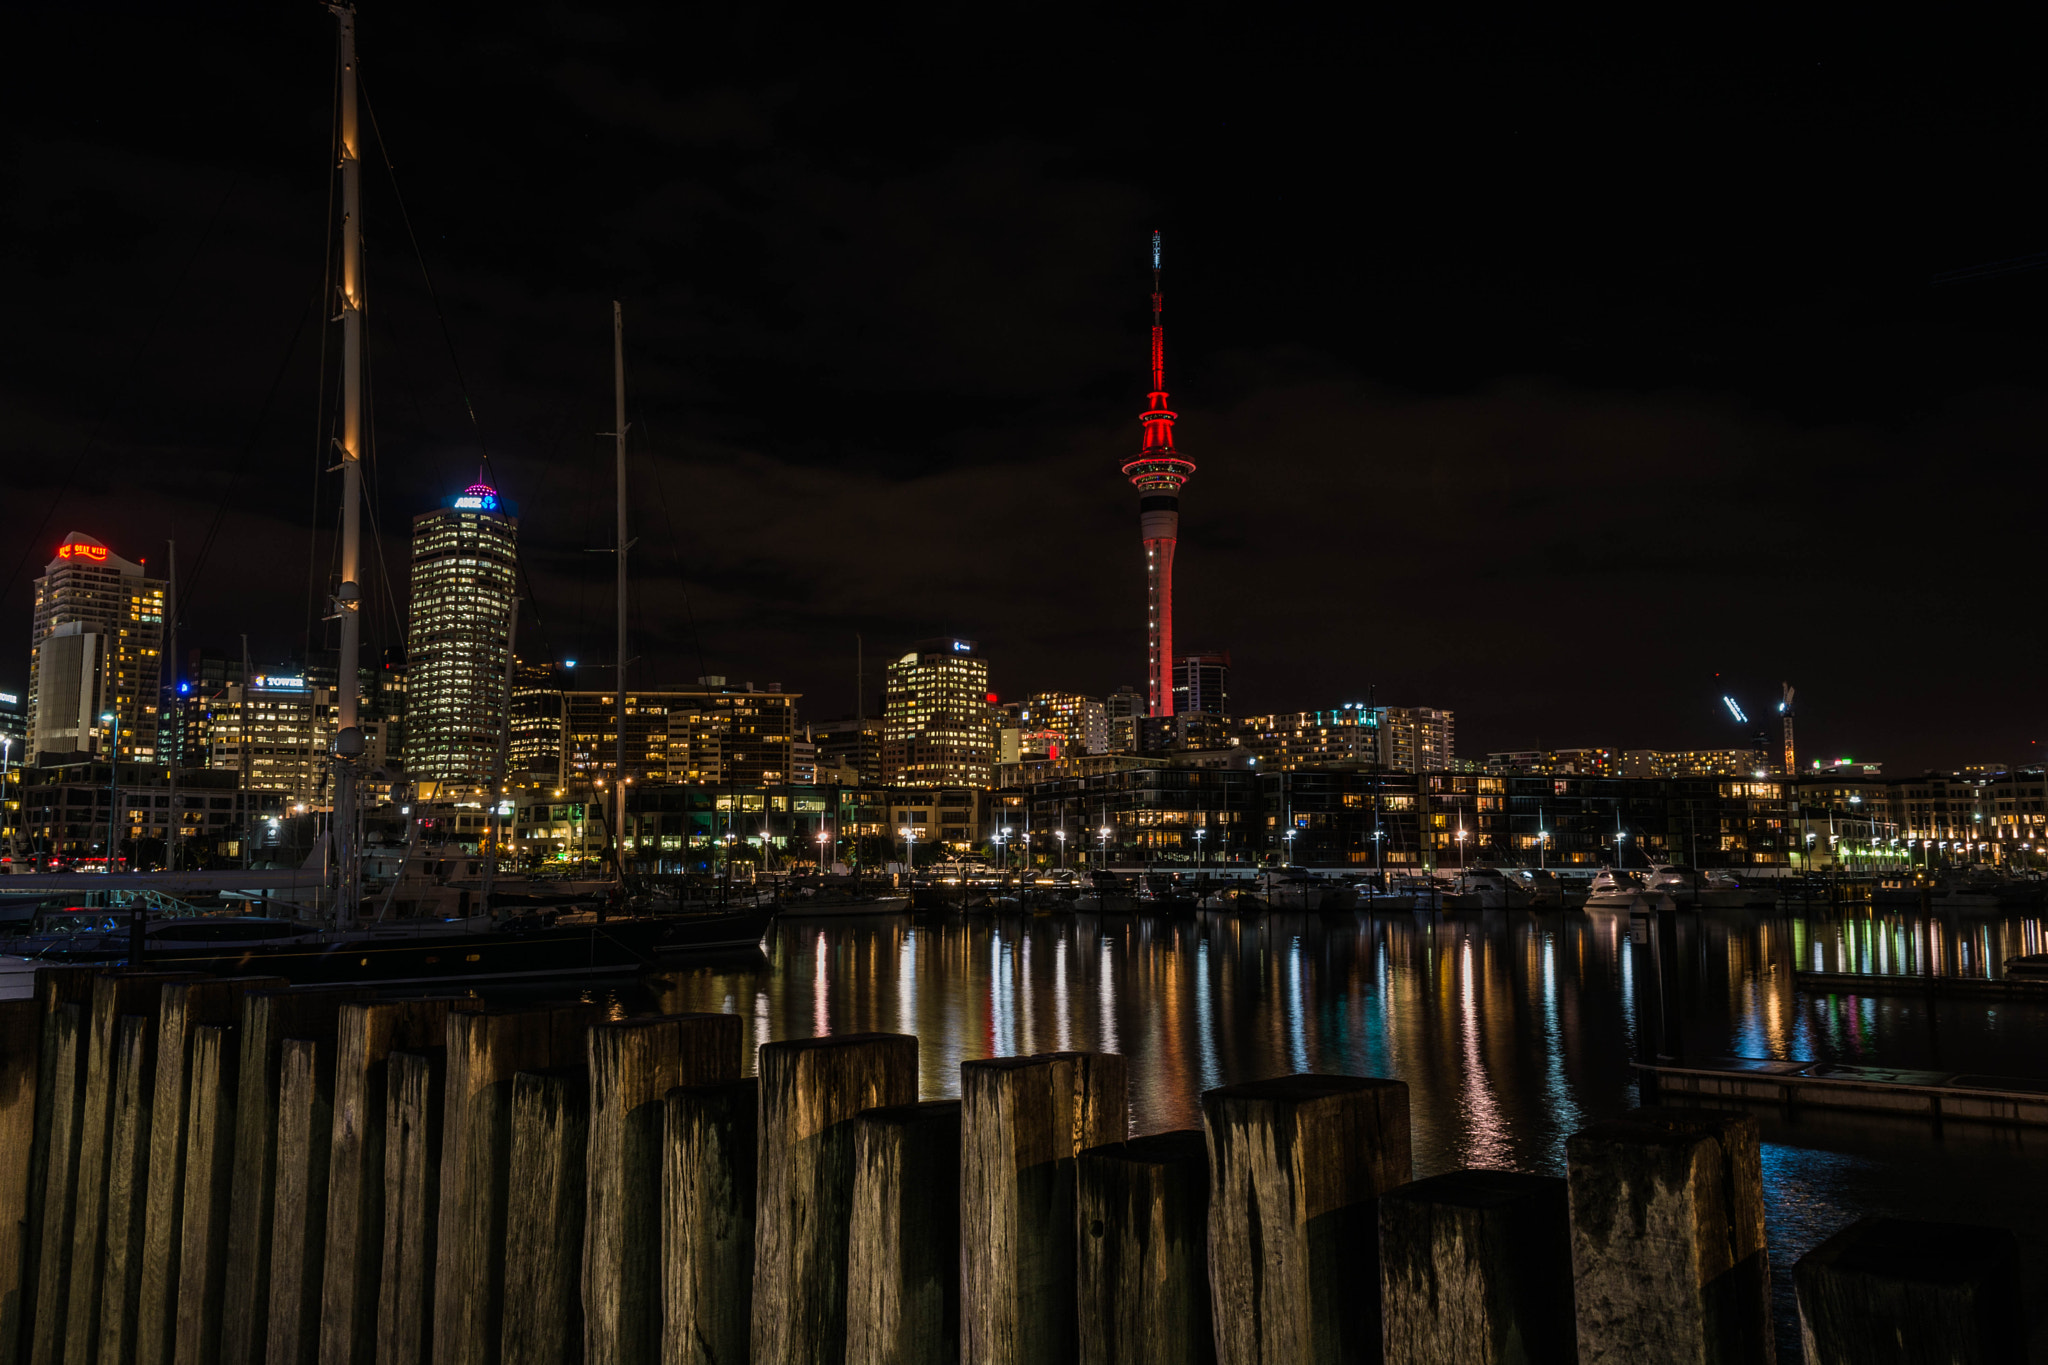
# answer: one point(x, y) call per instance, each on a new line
point(133, 1094)
point(903, 1277)
point(268, 1018)
point(1668, 1255)
point(708, 1186)
point(1023, 1123)
point(185, 1006)
point(115, 995)
point(369, 1033)
point(20, 1062)
point(1295, 1165)
point(543, 1321)
point(1476, 1266)
point(485, 1050)
point(412, 1178)
point(55, 988)
point(811, 1089)
point(1141, 1251)
point(67, 1038)
point(209, 1175)
point(298, 1229)
point(1893, 1291)
point(634, 1063)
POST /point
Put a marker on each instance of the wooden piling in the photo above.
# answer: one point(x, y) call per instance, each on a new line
point(124, 1252)
point(298, 1230)
point(209, 1176)
point(1295, 1164)
point(114, 995)
point(20, 1064)
point(183, 1007)
point(412, 1178)
point(485, 1051)
point(709, 1155)
point(903, 1278)
point(634, 1063)
point(66, 1039)
point(811, 1090)
point(543, 1320)
point(55, 987)
point(1894, 1291)
point(370, 1031)
point(1475, 1267)
point(1668, 1255)
point(1141, 1251)
point(1024, 1122)
point(268, 1017)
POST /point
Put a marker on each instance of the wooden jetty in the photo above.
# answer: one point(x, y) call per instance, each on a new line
point(1937, 1095)
point(364, 1182)
point(2006, 988)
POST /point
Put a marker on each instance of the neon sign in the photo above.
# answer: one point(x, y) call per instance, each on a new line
point(478, 498)
point(274, 682)
point(79, 549)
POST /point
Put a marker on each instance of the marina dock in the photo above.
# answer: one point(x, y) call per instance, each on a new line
point(1937, 1095)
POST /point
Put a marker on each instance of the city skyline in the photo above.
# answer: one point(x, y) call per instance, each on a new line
point(1557, 481)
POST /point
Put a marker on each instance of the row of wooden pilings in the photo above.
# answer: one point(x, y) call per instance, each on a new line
point(204, 1170)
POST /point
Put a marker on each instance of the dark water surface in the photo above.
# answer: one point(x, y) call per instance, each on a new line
point(1511, 1030)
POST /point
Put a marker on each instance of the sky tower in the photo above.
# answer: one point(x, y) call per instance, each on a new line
point(1158, 471)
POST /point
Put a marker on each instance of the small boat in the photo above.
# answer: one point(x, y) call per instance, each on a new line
point(1617, 889)
point(1486, 888)
point(1715, 890)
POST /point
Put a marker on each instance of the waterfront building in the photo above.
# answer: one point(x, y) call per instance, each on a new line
point(1201, 682)
point(937, 726)
point(96, 647)
point(1292, 740)
point(1561, 762)
point(66, 810)
point(1745, 762)
point(851, 744)
point(535, 755)
point(458, 640)
point(1122, 709)
point(711, 734)
point(1417, 739)
point(1158, 472)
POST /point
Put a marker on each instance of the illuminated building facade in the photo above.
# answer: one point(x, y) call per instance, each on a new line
point(458, 640)
point(96, 647)
point(1693, 762)
point(938, 728)
point(1292, 740)
point(1201, 682)
point(1158, 471)
point(279, 730)
point(1417, 739)
point(712, 735)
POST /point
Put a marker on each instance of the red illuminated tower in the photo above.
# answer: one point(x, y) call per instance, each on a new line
point(1158, 471)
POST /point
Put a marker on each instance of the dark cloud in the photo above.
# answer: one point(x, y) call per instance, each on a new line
point(1564, 377)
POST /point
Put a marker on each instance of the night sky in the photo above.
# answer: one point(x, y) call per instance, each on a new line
point(1564, 377)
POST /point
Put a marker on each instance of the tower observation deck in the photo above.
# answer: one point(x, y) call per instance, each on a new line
point(1158, 471)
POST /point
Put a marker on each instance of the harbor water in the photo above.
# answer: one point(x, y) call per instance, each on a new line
point(1511, 1029)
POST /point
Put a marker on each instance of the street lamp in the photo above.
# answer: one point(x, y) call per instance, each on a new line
point(1200, 835)
point(1061, 835)
point(822, 838)
point(1542, 848)
point(1289, 837)
point(1002, 863)
point(909, 853)
point(1104, 837)
point(113, 718)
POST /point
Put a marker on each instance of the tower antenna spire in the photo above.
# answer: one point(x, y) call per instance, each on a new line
point(1158, 471)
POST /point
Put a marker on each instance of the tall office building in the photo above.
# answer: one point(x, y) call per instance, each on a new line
point(709, 735)
point(1201, 682)
point(1082, 723)
point(850, 743)
point(536, 752)
point(1158, 471)
point(937, 729)
point(96, 647)
point(458, 641)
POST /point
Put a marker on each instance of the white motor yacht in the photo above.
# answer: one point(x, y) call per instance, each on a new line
point(1615, 889)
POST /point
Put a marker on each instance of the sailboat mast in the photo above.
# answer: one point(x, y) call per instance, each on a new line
point(348, 740)
point(619, 434)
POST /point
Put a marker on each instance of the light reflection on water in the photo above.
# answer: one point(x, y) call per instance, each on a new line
point(1512, 1031)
